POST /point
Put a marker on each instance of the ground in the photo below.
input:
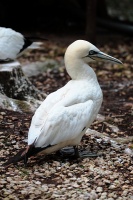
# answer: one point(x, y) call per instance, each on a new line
point(62, 176)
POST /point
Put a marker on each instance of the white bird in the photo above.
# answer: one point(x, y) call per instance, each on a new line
point(13, 44)
point(64, 116)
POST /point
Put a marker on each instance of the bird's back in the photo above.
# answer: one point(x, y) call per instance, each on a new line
point(10, 44)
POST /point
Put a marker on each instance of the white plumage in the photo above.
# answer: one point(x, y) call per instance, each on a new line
point(63, 117)
point(13, 44)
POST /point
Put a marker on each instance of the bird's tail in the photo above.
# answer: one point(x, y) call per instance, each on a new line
point(23, 154)
point(33, 42)
point(35, 45)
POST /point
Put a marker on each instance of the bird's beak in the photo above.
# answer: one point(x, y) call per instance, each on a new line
point(100, 56)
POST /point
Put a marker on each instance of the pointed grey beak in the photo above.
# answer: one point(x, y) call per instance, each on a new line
point(105, 57)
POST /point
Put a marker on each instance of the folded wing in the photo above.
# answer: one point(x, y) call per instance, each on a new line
point(61, 124)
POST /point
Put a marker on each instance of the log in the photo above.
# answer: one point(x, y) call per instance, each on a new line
point(14, 84)
point(91, 20)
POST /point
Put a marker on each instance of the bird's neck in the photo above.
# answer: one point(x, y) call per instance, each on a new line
point(78, 70)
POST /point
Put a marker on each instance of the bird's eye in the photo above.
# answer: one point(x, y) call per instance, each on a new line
point(91, 52)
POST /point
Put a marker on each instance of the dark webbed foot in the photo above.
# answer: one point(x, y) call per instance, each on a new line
point(83, 154)
point(86, 154)
point(66, 151)
point(73, 151)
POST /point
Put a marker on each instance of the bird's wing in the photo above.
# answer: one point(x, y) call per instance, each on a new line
point(11, 42)
point(64, 121)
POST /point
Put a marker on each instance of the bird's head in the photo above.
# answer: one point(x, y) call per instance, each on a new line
point(81, 49)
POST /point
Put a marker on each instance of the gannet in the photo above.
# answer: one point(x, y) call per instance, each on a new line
point(64, 116)
point(13, 44)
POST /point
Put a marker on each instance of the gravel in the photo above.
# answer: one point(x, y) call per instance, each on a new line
point(58, 176)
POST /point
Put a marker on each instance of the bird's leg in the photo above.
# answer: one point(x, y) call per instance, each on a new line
point(76, 151)
point(26, 150)
point(25, 155)
point(25, 160)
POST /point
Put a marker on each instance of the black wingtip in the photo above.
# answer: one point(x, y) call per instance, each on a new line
point(12, 160)
point(23, 154)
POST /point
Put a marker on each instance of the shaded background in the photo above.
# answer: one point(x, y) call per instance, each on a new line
point(86, 17)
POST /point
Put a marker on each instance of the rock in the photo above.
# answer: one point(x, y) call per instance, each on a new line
point(36, 68)
point(17, 105)
point(14, 84)
point(112, 187)
point(99, 189)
